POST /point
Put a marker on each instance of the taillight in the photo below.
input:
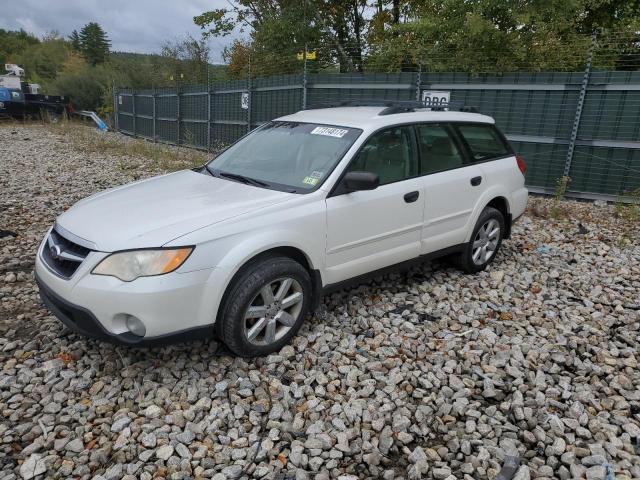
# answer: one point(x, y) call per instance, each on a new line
point(521, 165)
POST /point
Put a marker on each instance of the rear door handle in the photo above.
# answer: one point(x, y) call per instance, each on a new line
point(411, 196)
point(475, 181)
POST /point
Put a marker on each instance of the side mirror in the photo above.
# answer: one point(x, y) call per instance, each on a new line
point(356, 181)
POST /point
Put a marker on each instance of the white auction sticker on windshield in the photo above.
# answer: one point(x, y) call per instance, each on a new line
point(330, 131)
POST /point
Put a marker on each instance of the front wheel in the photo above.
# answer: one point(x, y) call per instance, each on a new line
point(485, 242)
point(265, 306)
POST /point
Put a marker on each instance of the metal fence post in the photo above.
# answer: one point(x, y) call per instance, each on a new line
point(208, 112)
point(208, 118)
point(115, 106)
point(419, 78)
point(249, 98)
point(153, 98)
point(133, 111)
point(304, 79)
point(178, 112)
point(579, 106)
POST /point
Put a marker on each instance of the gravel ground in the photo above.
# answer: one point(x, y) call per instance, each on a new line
point(428, 374)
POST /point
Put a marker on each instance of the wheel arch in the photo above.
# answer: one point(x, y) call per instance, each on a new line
point(494, 197)
point(293, 252)
point(502, 205)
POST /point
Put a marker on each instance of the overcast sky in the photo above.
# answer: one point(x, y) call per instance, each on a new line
point(132, 25)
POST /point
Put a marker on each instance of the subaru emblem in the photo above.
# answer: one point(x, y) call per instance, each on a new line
point(54, 251)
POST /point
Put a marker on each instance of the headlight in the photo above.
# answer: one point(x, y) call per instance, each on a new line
point(128, 266)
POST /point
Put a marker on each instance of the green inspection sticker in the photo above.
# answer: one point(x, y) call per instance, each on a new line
point(313, 178)
point(310, 181)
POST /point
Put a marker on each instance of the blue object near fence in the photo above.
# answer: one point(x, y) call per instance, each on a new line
point(94, 116)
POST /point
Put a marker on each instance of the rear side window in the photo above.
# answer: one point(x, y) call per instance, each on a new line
point(438, 151)
point(484, 141)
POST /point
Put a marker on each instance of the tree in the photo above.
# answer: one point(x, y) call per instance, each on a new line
point(453, 35)
point(74, 38)
point(42, 61)
point(188, 59)
point(490, 36)
point(85, 85)
point(279, 29)
point(13, 43)
point(94, 43)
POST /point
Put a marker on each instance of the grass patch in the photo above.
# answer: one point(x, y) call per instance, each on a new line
point(631, 210)
point(556, 210)
point(160, 157)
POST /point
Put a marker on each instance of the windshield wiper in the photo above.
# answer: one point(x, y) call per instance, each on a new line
point(210, 170)
point(243, 179)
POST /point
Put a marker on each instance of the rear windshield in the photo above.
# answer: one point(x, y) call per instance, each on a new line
point(484, 141)
point(290, 156)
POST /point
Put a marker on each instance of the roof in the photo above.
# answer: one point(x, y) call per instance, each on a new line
point(368, 118)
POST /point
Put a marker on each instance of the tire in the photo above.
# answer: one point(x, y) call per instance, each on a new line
point(465, 260)
point(246, 311)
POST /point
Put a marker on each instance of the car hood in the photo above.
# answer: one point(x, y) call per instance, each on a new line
point(153, 212)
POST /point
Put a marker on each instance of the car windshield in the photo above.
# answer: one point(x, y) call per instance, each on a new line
point(291, 156)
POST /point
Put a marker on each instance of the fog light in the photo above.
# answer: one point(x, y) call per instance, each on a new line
point(135, 326)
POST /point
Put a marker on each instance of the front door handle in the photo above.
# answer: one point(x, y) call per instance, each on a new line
point(475, 181)
point(411, 196)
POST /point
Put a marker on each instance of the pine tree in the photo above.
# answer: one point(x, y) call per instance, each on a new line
point(74, 38)
point(94, 43)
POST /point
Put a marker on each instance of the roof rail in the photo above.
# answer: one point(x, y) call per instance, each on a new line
point(399, 106)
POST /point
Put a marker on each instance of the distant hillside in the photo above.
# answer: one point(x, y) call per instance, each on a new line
point(164, 68)
point(62, 67)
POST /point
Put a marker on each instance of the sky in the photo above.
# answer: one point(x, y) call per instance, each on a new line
point(132, 25)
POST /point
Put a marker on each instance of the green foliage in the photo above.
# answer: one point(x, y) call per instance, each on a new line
point(14, 42)
point(84, 88)
point(555, 210)
point(186, 60)
point(629, 210)
point(217, 20)
point(83, 68)
point(444, 35)
point(74, 39)
point(94, 43)
point(42, 61)
point(279, 29)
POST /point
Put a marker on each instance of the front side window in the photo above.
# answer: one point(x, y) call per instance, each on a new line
point(291, 156)
point(484, 141)
point(438, 151)
point(389, 153)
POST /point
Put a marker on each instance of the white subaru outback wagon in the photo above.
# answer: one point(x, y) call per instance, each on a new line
point(244, 246)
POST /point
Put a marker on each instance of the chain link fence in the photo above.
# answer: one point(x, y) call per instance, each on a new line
point(583, 124)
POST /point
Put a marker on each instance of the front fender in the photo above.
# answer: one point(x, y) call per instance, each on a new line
point(238, 252)
point(248, 248)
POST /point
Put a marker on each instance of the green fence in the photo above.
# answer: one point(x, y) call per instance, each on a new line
point(582, 124)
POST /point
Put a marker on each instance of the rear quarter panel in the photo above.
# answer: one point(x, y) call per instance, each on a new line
point(502, 178)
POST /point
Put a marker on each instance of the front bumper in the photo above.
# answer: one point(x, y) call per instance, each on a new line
point(81, 320)
point(174, 307)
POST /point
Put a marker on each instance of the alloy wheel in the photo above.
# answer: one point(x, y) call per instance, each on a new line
point(486, 242)
point(273, 311)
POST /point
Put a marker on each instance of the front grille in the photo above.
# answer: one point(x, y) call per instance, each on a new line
point(62, 255)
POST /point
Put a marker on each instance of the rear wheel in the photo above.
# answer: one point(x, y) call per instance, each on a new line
point(265, 306)
point(485, 242)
